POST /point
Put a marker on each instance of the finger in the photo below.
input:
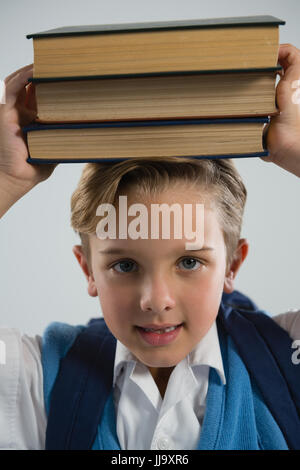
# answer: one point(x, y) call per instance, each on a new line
point(267, 158)
point(265, 136)
point(47, 170)
point(22, 69)
point(27, 98)
point(26, 116)
point(15, 87)
point(21, 97)
point(288, 55)
point(30, 101)
point(287, 90)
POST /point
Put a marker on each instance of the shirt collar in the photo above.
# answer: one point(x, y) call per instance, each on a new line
point(207, 352)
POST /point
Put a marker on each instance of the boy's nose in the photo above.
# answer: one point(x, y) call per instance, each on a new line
point(157, 296)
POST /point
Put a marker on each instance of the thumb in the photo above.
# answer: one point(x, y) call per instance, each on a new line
point(265, 142)
point(46, 170)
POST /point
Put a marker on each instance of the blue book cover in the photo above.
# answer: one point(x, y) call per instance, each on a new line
point(35, 127)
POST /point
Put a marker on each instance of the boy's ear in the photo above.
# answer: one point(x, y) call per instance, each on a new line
point(239, 257)
point(92, 290)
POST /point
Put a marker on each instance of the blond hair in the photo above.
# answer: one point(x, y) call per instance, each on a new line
point(103, 182)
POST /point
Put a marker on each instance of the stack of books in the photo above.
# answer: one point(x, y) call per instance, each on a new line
point(192, 88)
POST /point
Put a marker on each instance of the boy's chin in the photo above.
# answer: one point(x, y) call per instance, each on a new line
point(160, 360)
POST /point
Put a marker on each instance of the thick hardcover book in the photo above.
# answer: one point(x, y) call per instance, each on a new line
point(92, 142)
point(193, 96)
point(157, 48)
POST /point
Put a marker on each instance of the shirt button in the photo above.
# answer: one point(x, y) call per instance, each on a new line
point(163, 443)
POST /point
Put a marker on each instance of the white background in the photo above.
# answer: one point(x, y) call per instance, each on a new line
point(40, 279)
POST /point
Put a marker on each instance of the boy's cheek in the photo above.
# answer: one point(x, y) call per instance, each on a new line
point(115, 311)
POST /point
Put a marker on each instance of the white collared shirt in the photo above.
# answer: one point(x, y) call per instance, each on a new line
point(165, 424)
point(144, 420)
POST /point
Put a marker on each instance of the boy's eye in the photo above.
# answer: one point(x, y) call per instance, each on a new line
point(126, 265)
point(189, 263)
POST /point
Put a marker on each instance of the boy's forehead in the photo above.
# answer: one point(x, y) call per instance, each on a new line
point(147, 248)
point(168, 230)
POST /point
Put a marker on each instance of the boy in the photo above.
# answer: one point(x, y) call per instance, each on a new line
point(163, 313)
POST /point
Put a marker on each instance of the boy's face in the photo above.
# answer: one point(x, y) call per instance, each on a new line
point(158, 284)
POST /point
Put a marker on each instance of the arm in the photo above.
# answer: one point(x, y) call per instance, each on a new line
point(22, 413)
point(17, 177)
point(282, 134)
point(23, 418)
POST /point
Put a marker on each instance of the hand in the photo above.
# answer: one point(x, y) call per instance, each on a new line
point(282, 134)
point(18, 111)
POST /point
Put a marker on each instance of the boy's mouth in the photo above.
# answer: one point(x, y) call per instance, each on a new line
point(159, 335)
point(160, 328)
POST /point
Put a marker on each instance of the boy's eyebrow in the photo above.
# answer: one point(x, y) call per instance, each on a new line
point(120, 251)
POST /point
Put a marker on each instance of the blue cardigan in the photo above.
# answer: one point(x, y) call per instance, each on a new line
point(236, 416)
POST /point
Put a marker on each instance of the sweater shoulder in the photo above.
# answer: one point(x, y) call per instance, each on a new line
point(57, 339)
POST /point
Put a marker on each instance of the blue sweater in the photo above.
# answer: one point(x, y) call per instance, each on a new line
point(236, 416)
